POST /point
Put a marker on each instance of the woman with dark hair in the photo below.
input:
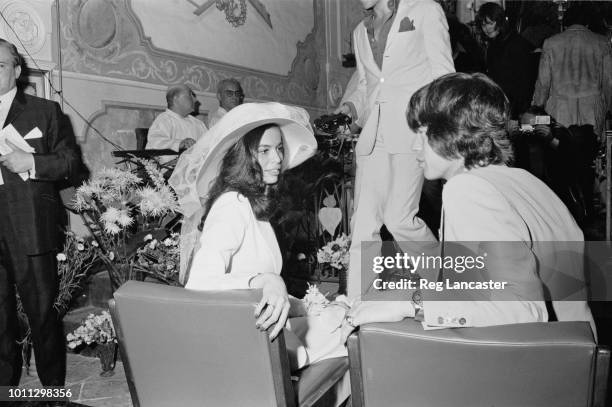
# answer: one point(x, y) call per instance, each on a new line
point(510, 60)
point(230, 194)
point(487, 207)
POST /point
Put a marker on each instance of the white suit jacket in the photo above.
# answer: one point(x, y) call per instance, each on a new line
point(234, 247)
point(497, 203)
point(412, 59)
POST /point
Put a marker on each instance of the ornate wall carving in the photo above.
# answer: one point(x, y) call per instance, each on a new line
point(105, 37)
point(31, 22)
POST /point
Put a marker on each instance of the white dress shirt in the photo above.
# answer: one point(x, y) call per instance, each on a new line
point(216, 116)
point(6, 101)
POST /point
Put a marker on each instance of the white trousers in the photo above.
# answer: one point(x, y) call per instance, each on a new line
point(387, 191)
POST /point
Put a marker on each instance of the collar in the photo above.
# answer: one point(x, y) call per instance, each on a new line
point(7, 98)
point(368, 20)
point(172, 112)
point(222, 110)
point(577, 27)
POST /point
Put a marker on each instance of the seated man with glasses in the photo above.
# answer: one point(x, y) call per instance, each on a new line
point(230, 95)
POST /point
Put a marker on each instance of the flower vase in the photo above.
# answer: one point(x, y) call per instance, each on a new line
point(107, 353)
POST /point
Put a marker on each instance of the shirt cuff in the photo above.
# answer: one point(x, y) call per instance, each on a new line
point(32, 171)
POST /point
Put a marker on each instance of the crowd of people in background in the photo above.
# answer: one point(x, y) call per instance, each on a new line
point(548, 67)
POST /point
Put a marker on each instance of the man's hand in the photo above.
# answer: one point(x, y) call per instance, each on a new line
point(185, 144)
point(17, 161)
point(365, 312)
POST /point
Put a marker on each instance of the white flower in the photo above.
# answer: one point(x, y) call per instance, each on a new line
point(153, 244)
point(60, 257)
point(111, 256)
point(148, 237)
point(157, 201)
point(314, 301)
point(94, 243)
point(301, 256)
point(124, 219)
point(111, 215)
point(168, 242)
point(80, 247)
point(112, 228)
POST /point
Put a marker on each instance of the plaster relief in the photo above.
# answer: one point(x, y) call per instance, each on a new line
point(118, 47)
point(97, 23)
point(172, 25)
point(26, 23)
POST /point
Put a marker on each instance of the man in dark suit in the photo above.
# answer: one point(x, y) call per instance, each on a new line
point(31, 221)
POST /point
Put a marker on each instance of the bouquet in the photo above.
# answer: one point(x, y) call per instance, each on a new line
point(160, 259)
point(120, 208)
point(335, 252)
point(74, 263)
point(96, 329)
point(314, 301)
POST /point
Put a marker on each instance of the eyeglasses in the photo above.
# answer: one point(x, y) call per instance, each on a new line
point(236, 93)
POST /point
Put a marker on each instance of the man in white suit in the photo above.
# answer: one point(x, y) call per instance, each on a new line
point(402, 46)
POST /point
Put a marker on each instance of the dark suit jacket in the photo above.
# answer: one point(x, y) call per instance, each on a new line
point(513, 66)
point(34, 207)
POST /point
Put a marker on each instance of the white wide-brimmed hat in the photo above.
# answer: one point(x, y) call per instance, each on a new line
point(198, 167)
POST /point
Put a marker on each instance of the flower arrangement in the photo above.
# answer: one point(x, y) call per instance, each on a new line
point(96, 329)
point(160, 259)
point(120, 208)
point(74, 264)
point(335, 252)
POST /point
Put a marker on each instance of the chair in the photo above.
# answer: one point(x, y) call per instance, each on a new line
point(537, 364)
point(142, 134)
point(190, 348)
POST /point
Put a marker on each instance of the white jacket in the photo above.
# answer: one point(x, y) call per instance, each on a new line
point(412, 59)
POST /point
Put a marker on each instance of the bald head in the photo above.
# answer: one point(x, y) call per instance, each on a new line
point(180, 99)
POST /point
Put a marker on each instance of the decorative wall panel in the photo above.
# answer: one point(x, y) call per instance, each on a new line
point(106, 37)
point(117, 122)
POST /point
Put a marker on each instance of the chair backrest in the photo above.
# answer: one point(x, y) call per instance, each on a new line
point(190, 348)
point(142, 135)
point(538, 364)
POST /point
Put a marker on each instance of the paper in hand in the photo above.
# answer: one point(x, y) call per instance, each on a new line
point(9, 133)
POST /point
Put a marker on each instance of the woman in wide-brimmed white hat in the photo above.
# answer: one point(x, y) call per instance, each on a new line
point(229, 192)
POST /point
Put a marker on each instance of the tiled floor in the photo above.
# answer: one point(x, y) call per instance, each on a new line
point(87, 386)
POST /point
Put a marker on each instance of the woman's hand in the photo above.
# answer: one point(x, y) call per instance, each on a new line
point(273, 309)
point(375, 311)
